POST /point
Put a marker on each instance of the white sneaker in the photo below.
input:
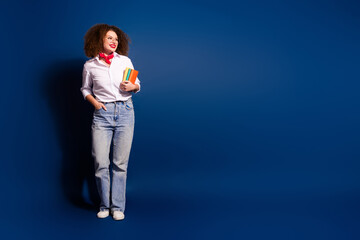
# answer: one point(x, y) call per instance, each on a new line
point(103, 214)
point(118, 215)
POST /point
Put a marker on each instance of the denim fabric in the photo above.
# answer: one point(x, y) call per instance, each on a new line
point(112, 128)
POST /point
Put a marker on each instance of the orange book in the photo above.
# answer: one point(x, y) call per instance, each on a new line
point(133, 75)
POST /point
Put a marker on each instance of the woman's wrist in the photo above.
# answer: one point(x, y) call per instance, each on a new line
point(136, 88)
point(93, 101)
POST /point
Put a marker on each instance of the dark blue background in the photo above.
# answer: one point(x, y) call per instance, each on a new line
point(247, 124)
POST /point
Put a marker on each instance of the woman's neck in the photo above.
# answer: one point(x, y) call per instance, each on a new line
point(107, 53)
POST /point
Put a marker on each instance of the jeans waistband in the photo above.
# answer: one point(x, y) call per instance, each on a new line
point(120, 101)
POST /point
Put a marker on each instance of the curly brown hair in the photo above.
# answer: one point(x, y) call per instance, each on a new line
point(94, 40)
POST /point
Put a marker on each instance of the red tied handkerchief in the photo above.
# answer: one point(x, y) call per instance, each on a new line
point(106, 58)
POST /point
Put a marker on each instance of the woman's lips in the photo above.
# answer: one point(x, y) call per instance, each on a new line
point(112, 45)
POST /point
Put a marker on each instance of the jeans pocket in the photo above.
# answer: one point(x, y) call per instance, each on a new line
point(97, 111)
point(129, 104)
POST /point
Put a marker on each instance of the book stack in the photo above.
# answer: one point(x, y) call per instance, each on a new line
point(130, 75)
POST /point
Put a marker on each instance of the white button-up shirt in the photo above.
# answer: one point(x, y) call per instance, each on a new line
point(103, 81)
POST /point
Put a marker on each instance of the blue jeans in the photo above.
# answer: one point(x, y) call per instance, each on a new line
point(112, 128)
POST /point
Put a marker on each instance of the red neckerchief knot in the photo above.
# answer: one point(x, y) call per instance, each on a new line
point(106, 58)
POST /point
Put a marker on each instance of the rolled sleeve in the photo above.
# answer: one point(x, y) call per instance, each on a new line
point(86, 88)
point(137, 81)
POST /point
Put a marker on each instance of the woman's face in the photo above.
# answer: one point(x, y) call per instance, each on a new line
point(110, 42)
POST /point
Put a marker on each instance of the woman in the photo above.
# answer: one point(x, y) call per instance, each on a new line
point(113, 118)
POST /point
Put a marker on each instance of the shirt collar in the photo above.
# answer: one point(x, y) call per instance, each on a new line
point(116, 55)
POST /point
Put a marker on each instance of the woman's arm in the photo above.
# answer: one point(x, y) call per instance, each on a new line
point(86, 90)
point(128, 86)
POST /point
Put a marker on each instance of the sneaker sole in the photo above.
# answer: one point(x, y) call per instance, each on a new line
point(102, 216)
point(118, 219)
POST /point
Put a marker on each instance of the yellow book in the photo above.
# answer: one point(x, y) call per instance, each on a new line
point(125, 74)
